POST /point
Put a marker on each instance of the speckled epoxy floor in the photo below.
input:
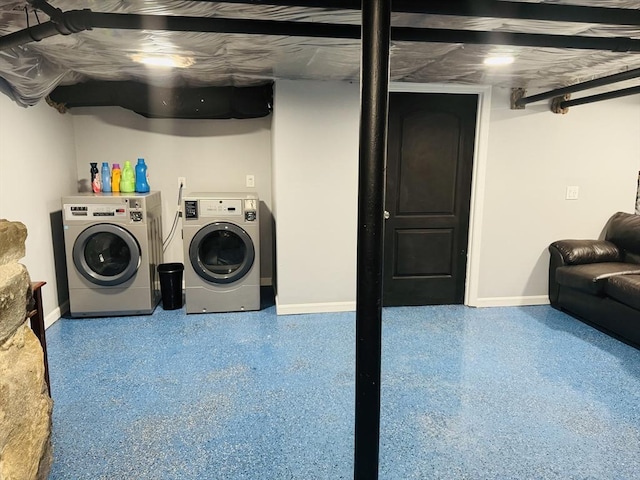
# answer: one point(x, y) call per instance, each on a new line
point(494, 393)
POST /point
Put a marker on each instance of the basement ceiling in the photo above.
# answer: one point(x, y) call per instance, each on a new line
point(31, 70)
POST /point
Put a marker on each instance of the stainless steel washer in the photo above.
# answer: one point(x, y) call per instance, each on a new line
point(113, 245)
point(221, 238)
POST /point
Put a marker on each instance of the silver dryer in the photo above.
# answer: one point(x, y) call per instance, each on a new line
point(221, 238)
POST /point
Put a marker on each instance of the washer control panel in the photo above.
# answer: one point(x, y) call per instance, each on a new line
point(83, 212)
point(130, 210)
point(135, 209)
point(250, 210)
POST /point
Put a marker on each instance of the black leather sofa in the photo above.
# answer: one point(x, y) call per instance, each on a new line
point(598, 281)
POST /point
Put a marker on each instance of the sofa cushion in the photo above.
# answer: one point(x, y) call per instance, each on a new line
point(630, 257)
point(576, 252)
point(592, 277)
point(623, 229)
point(625, 289)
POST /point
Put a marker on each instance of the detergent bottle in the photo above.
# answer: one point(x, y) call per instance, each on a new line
point(95, 178)
point(106, 178)
point(127, 178)
point(115, 177)
point(142, 182)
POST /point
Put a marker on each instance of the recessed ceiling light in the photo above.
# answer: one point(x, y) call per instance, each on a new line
point(495, 61)
point(166, 61)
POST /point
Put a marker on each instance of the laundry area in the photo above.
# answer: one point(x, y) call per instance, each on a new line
point(225, 206)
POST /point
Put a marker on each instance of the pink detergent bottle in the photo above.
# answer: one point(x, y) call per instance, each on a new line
point(96, 186)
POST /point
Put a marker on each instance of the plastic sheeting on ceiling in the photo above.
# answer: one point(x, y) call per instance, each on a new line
point(29, 72)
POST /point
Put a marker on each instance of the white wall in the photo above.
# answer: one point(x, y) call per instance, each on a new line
point(37, 167)
point(533, 155)
point(315, 183)
point(213, 155)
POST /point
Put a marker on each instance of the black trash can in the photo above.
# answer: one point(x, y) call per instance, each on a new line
point(171, 285)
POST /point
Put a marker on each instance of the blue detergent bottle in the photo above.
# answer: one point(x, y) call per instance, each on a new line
point(142, 182)
point(106, 178)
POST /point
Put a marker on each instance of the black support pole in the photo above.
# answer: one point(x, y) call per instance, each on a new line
point(376, 18)
point(625, 92)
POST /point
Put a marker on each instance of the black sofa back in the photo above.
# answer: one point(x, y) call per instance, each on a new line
point(623, 229)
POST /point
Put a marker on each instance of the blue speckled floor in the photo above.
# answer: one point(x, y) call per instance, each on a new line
point(494, 393)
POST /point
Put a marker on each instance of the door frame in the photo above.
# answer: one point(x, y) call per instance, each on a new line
point(479, 171)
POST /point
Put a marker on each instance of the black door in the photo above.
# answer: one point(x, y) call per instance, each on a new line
point(106, 254)
point(221, 252)
point(428, 192)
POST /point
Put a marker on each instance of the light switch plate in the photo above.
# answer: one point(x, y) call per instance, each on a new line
point(251, 181)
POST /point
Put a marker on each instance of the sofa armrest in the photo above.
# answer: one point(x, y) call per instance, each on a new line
point(577, 252)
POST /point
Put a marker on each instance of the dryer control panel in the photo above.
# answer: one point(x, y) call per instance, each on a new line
point(235, 209)
point(191, 209)
point(212, 208)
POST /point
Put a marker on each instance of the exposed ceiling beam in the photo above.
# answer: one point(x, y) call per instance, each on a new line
point(625, 92)
point(478, 8)
point(578, 87)
point(77, 20)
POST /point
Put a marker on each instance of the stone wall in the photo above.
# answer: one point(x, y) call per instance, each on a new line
point(25, 406)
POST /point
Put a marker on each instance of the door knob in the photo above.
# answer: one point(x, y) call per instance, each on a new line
point(386, 215)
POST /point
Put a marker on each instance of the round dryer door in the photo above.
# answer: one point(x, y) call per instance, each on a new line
point(221, 252)
point(106, 254)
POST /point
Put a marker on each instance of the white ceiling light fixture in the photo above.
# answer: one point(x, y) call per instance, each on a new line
point(496, 61)
point(163, 61)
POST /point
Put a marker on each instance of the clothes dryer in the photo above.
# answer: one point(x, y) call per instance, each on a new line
point(221, 238)
point(113, 245)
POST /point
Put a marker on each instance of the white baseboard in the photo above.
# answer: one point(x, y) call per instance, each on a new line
point(54, 316)
point(300, 308)
point(328, 307)
point(511, 301)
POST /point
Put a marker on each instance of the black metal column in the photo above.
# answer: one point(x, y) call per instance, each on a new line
point(376, 15)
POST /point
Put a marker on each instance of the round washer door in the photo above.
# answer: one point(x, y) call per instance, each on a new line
point(106, 254)
point(221, 252)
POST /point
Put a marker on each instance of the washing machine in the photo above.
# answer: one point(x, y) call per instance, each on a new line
point(221, 237)
point(113, 245)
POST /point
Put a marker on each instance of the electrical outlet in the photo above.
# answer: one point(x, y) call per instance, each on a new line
point(182, 181)
point(573, 192)
point(251, 181)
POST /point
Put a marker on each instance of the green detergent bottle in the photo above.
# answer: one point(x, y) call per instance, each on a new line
point(127, 178)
